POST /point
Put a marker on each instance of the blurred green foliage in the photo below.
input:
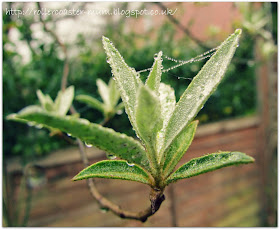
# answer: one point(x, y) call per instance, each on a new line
point(235, 97)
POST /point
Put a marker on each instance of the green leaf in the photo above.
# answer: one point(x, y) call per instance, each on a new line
point(209, 163)
point(201, 87)
point(115, 169)
point(45, 100)
point(126, 78)
point(178, 148)
point(167, 101)
point(103, 90)
point(154, 77)
point(113, 93)
point(103, 138)
point(64, 100)
point(91, 101)
point(148, 119)
point(27, 109)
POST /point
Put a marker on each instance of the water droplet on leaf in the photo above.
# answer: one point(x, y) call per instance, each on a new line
point(130, 164)
point(30, 124)
point(104, 210)
point(88, 145)
point(39, 126)
point(110, 156)
point(119, 112)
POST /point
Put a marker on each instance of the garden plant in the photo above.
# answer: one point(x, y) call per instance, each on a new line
point(165, 128)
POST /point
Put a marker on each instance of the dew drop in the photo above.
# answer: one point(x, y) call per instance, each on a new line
point(119, 112)
point(39, 126)
point(110, 156)
point(30, 124)
point(104, 210)
point(155, 56)
point(130, 164)
point(88, 145)
point(69, 134)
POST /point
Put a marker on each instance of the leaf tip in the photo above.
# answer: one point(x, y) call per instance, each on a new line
point(238, 31)
point(75, 178)
point(11, 116)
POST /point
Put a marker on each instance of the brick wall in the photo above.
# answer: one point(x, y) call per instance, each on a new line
point(227, 197)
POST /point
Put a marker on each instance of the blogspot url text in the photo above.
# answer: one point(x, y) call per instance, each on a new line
point(78, 12)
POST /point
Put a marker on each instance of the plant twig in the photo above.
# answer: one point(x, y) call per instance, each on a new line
point(156, 196)
point(181, 27)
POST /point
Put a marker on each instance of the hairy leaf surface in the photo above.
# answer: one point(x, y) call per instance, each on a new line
point(167, 101)
point(103, 138)
point(201, 87)
point(178, 148)
point(209, 163)
point(115, 169)
point(148, 119)
point(154, 77)
point(126, 78)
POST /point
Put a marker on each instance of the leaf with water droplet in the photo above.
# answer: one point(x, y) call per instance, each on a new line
point(154, 77)
point(148, 120)
point(103, 138)
point(187, 109)
point(209, 163)
point(130, 164)
point(110, 156)
point(167, 102)
point(88, 145)
point(178, 148)
point(115, 169)
point(126, 79)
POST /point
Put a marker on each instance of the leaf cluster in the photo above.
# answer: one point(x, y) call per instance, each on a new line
point(164, 127)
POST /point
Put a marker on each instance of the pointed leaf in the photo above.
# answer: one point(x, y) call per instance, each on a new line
point(103, 138)
point(209, 163)
point(27, 109)
point(201, 87)
point(91, 101)
point(178, 148)
point(126, 78)
point(154, 77)
point(148, 119)
point(64, 100)
point(115, 169)
point(113, 93)
point(103, 91)
point(45, 100)
point(167, 101)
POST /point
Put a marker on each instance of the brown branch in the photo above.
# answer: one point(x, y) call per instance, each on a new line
point(156, 196)
point(181, 27)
